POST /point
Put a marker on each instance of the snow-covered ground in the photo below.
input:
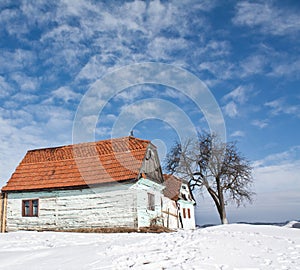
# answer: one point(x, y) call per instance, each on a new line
point(234, 246)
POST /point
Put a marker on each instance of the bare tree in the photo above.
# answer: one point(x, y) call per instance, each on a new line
point(218, 167)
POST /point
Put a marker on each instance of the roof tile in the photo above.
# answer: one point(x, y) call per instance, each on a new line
point(172, 189)
point(79, 165)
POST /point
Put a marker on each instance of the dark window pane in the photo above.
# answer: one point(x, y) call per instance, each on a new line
point(26, 208)
point(35, 206)
point(151, 202)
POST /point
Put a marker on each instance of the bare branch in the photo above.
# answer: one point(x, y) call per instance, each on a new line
point(217, 166)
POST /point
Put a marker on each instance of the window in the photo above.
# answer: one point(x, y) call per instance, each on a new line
point(35, 206)
point(189, 213)
point(30, 208)
point(151, 202)
point(184, 214)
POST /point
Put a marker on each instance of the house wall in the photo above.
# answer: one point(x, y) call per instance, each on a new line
point(146, 216)
point(1, 212)
point(151, 165)
point(187, 222)
point(3, 205)
point(105, 206)
point(169, 213)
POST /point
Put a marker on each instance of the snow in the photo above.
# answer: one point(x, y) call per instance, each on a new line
point(293, 224)
point(234, 246)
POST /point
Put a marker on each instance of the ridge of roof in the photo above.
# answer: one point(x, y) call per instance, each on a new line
point(88, 143)
point(86, 149)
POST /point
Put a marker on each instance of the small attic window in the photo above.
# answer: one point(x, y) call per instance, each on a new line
point(151, 202)
point(30, 208)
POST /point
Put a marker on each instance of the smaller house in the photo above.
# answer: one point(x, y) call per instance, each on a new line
point(178, 204)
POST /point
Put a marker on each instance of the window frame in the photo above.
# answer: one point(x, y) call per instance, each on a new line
point(33, 208)
point(151, 201)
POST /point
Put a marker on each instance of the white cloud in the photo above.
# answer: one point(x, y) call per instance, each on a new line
point(103, 131)
point(280, 159)
point(18, 59)
point(131, 94)
point(279, 106)
point(142, 110)
point(217, 48)
point(107, 35)
point(96, 67)
point(238, 95)
point(260, 123)
point(221, 69)
point(285, 67)
point(10, 21)
point(254, 64)
point(163, 48)
point(85, 38)
point(25, 83)
point(278, 177)
point(25, 98)
point(5, 87)
point(171, 93)
point(277, 187)
point(238, 133)
point(235, 98)
point(76, 8)
point(66, 94)
point(154, 109)
point(108, 118)
point(15, 141)
point(270, 19)
point(33, 126)
point(230, 109)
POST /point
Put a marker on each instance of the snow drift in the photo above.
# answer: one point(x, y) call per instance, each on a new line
point(235, 246)
point(293, 224)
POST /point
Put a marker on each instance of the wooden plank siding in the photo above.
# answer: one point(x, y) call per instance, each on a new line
point(3, 206)
point(145, 215)
point(170, 213)
point(1, 212)
point(110, 206)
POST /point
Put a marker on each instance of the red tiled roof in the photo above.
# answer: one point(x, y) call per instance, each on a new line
point(172, 188)
point(79, 165)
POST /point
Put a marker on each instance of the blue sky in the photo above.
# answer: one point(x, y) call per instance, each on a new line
point(246, 52)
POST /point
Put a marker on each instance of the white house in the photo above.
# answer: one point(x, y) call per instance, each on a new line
point(110, 183)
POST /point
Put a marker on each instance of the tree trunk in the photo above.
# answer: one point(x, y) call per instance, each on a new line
point(221, 208)
point(222, 214)
point(219, 202)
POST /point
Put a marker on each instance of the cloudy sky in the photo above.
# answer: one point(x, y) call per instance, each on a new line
point(246, 52)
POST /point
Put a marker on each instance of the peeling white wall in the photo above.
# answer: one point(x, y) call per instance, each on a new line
point(170, 214)
point(105, 206)
point(188, 223)
point(143, 187)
